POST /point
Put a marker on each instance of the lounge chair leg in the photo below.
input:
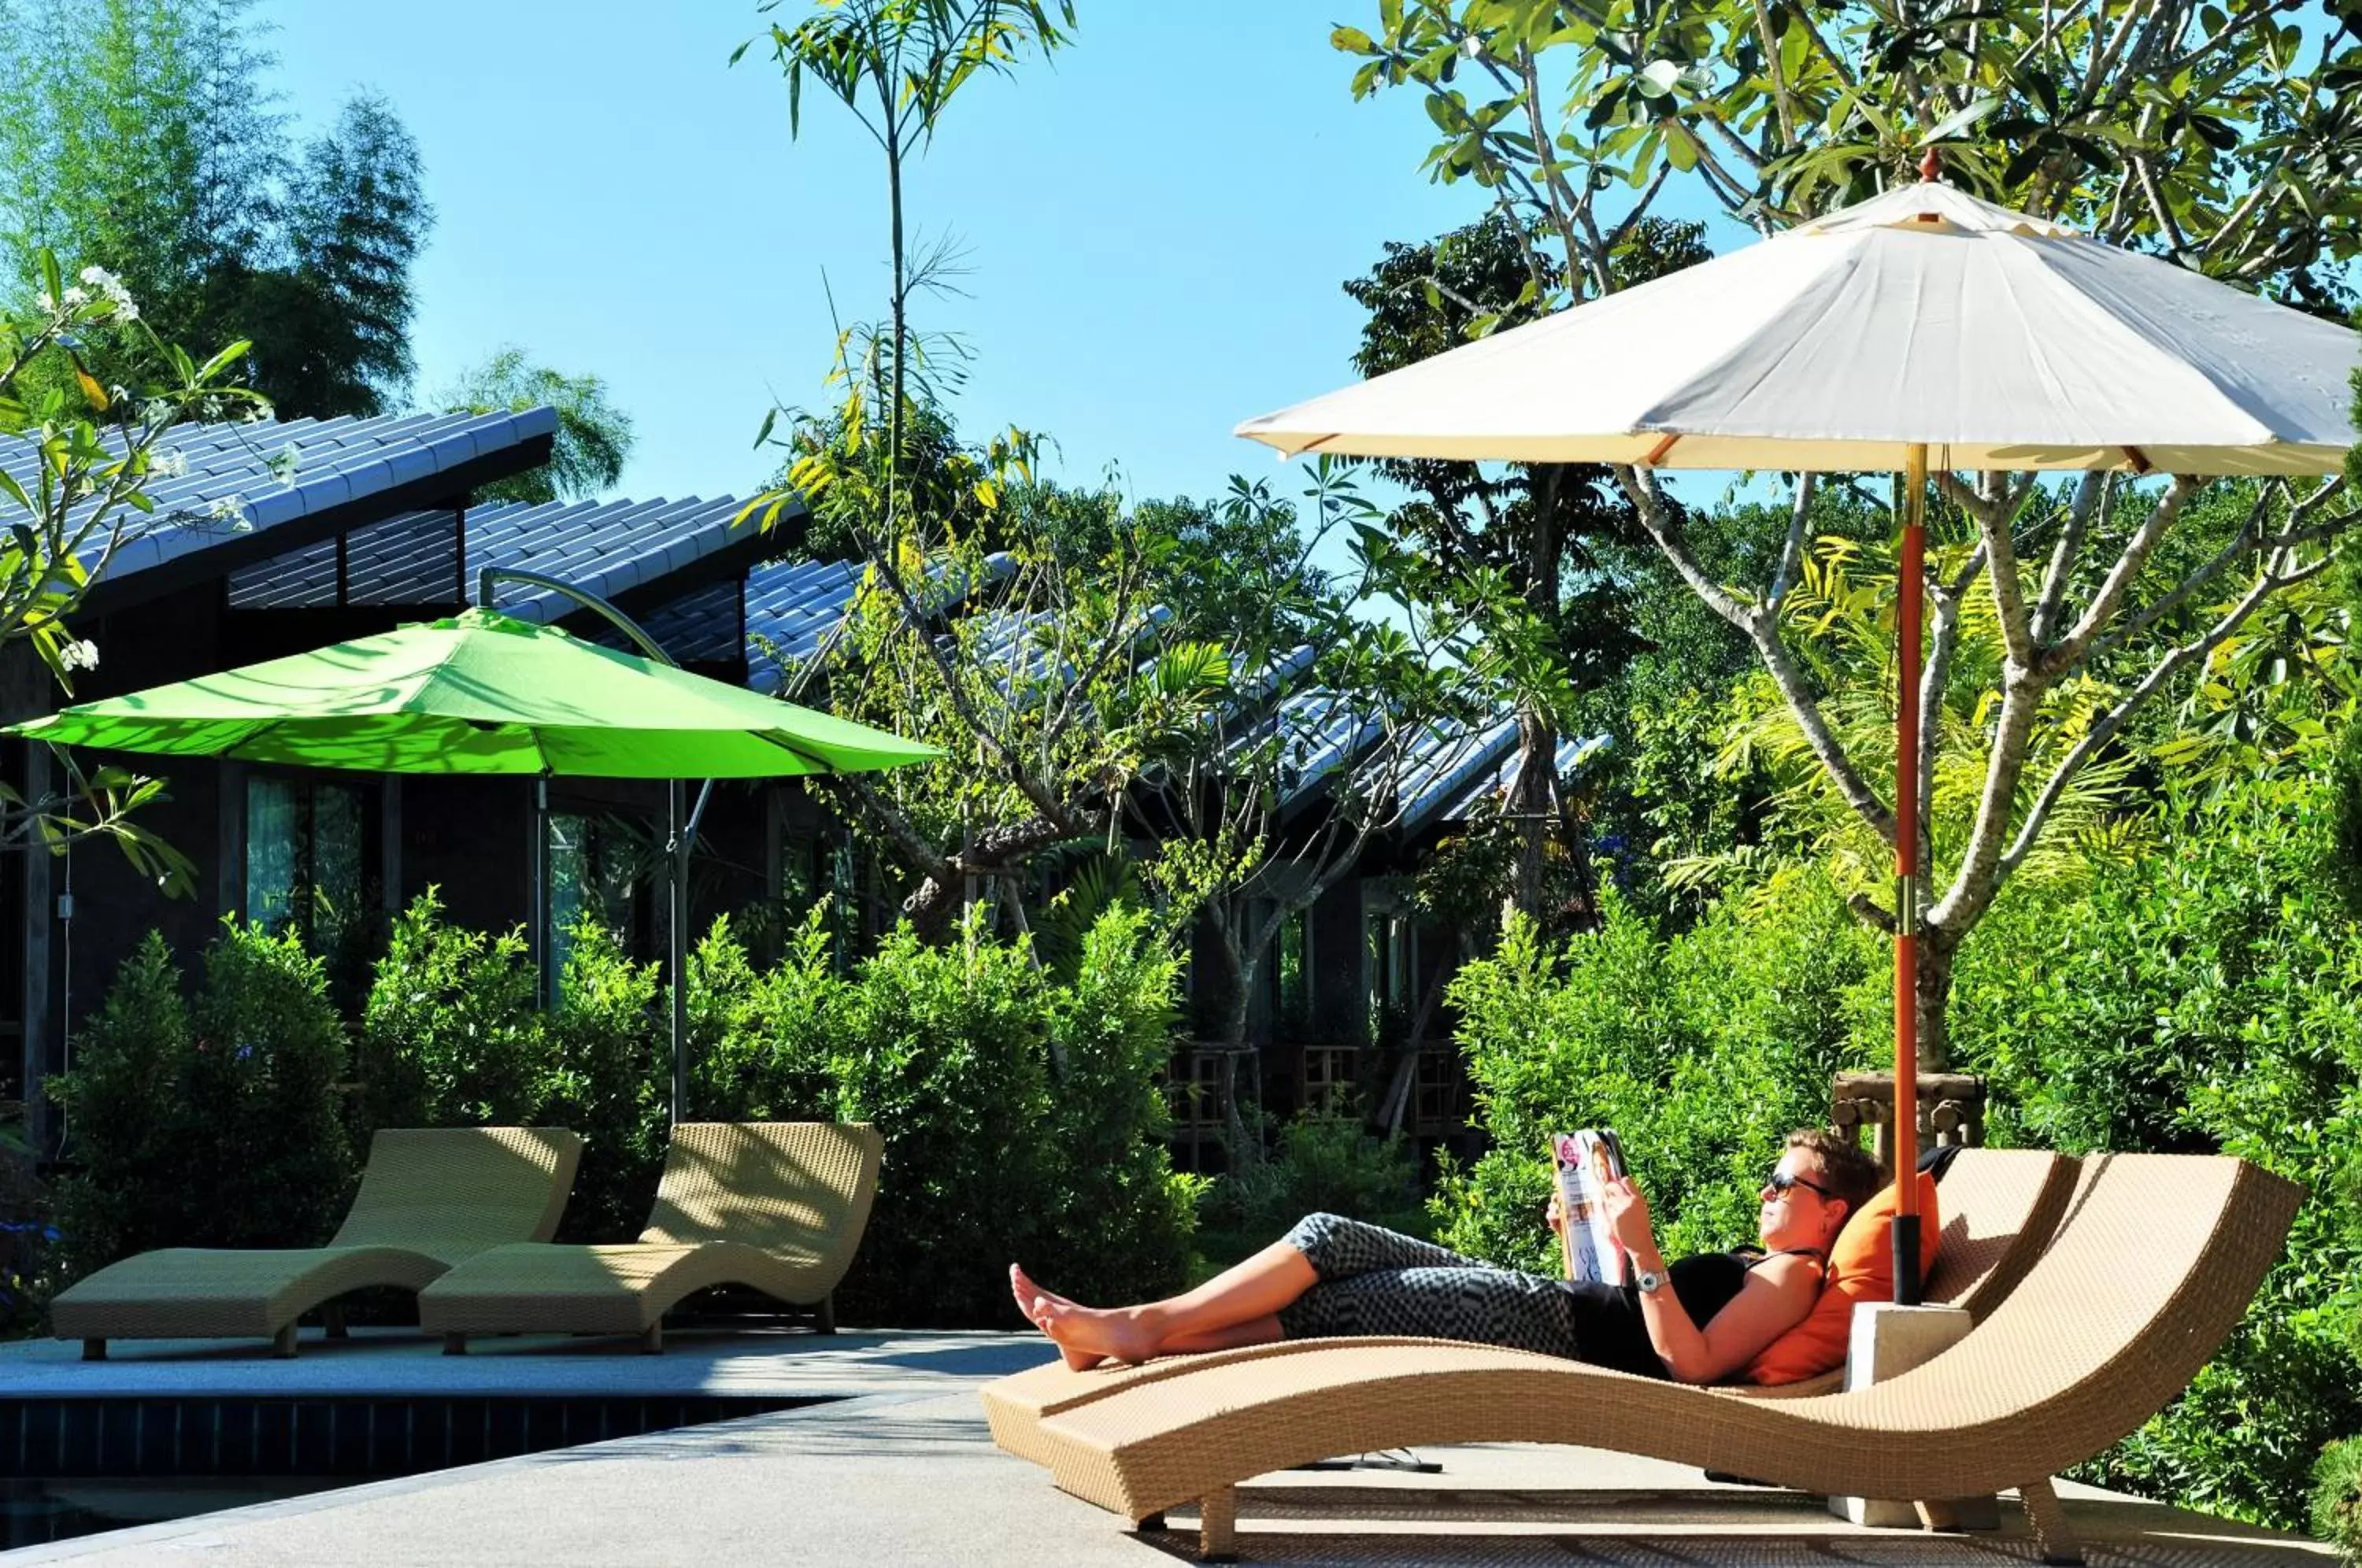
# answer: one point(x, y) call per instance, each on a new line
point(824, 1317)
point(652, 1341)
point(282, 1344)
point(454, 1344)
point(333, 1315)
point(2052, 1534)
point(1218, 1525)
point(94, 1349)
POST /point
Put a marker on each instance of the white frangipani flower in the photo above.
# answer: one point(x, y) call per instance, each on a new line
point(169, 465)
point(81, 655)
point(111, 289)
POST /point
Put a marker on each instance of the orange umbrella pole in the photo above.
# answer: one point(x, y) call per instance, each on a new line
point(1906, 883)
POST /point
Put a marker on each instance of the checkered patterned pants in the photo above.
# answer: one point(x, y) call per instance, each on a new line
point(1375, 1281)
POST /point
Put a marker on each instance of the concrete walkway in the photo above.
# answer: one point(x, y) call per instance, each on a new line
point(905, 1473)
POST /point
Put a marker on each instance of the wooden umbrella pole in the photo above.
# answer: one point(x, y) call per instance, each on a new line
point(1907, 881)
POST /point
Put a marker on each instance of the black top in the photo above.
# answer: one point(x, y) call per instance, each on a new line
point(1610, 1332)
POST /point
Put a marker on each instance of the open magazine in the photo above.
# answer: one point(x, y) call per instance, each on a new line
point(1586, 1161)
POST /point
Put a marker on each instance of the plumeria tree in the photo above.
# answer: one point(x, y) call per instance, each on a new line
point(1304, 761)
point(2225, 140)
point(76, 457)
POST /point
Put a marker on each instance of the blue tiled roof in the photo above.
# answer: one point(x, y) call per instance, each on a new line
point(1317, 733)
point(602, 547)
point(607, 549)
point(793, 606)
point(790, 607)
point(1573, 753)
point(336, 461)
point(1442, 762)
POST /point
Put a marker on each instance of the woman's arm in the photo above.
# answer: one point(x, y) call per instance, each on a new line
point(1776, 1297)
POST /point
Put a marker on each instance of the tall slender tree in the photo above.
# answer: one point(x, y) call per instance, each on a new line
point(143, 135)
point(594, 437)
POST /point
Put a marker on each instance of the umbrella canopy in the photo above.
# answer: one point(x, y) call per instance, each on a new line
point(483, 693)
point(1921, 317)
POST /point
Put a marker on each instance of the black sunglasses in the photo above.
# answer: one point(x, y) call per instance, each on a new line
point(1782, 1181)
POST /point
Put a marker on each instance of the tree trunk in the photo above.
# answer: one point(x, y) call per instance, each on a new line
point(932, 908)
point(1529, 807)
point(1534, 790)
point(1937, 951)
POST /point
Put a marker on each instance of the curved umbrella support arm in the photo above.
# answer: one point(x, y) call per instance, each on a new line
point(490, 575)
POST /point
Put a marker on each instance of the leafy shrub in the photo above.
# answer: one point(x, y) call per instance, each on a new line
point(28, 1238)
point(208, 1123)
point(1702, 1051)
point(760, 1041)
point(1019, 1112)
point(1120, 1218)
point(2209, 1000)
point(1324, 1163)
point(611, 1082)
point(451, 1032)
point(1021, 1109)
point(945, 1050)
point(2337, 1497)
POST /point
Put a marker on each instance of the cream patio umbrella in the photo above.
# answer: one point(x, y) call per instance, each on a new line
point(1922, 322)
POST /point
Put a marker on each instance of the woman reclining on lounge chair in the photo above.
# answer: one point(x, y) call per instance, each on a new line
point(1701, 1321)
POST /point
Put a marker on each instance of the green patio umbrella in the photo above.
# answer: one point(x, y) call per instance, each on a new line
point(479, 692)
point(483, 693)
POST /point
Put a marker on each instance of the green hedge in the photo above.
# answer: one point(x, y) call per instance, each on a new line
point(1021, 1107)
point(1703, 1051)
point(2208, 999)
point(207, 1120)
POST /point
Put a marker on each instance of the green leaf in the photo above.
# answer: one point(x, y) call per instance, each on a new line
point(1681, 146)
point(1352, 41)
point(223, 360)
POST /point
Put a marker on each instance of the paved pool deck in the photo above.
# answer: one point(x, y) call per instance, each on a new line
point(897, 1468)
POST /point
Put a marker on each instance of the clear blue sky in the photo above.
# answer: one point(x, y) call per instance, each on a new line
point(1158, 221)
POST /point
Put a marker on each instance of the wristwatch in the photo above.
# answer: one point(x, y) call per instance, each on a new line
point(1649, 1281)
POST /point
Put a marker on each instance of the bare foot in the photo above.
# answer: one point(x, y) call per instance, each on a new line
point(1029, 1295)
point(1085, 1335)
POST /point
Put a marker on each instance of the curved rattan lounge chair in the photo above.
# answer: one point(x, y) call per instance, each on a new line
point(429, 1197)
point(1999, 1207)
point(778, 1207)
point(2151, 1268)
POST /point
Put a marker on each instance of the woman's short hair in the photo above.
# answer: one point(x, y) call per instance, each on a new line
point(1847, 1170)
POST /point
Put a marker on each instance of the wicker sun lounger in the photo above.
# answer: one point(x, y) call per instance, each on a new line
point(778, 1207)
point(1999, 1207)
point(429, 1197)
point(2151, 1268)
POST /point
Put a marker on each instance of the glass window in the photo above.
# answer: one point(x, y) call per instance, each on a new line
point(593, 869)
point(1291, 972)
point(307, 861)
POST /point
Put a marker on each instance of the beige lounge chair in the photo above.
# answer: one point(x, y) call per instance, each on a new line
point(1997, 1206)
point(2151, 1268)
point(429, 1197)
point(778, 1207)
